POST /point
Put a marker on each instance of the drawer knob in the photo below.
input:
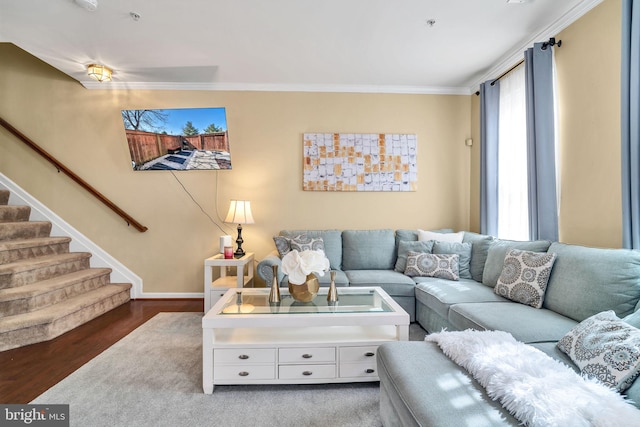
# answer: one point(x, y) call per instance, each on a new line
point(370, 371)
point(307, 373)
point(243, 357)
point(243, 373)
point(369, 354)
point(307, 356)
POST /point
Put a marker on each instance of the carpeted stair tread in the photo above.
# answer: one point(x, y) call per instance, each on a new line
point(4, 196)
point(62, 309)
point(50, 322)
point(49, 285)
point(27, 271)
point(24, 229)
point(10, 213)
point(14, 250)
point(35, 296)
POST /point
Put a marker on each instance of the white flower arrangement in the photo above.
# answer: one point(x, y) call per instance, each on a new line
point(300, 264)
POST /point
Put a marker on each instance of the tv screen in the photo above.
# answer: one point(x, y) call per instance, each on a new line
point(178, 139)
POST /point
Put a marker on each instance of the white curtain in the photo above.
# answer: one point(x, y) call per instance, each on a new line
point(513, 206)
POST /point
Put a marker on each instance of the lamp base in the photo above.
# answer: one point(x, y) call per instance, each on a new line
point(239, 253)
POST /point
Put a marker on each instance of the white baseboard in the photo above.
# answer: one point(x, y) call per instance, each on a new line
point(170, 295)
point(79, 243)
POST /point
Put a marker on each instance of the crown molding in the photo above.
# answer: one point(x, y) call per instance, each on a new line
point(515, 55)
point(271, 87)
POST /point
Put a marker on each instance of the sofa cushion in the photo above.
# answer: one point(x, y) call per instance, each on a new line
point(463, 250)
point(440, 294)
point(524, 276)
point(332, 240)
point(525, 323)
point(405, 246)
point(480, 244)
point(368, 250)
point(498, 250)
point(394, 283)
point(444, 266)
point(586, 281)
point(606, 348)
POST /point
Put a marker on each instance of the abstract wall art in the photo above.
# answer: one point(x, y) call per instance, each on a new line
point(360, 162)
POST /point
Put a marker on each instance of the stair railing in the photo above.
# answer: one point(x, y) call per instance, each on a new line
point(62, 168)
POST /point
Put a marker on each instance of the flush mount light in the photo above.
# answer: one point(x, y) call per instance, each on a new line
point(90, 5)
point(100, 73)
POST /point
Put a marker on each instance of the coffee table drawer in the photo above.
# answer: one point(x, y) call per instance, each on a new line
point(358, 354)
point(307, 355)
point(244, 372)
point(244, 355)
point(309, 372)
point(359, 370)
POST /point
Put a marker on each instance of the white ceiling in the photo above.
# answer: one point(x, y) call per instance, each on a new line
point(306, 45)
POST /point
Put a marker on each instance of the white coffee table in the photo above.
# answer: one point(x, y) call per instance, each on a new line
point(246, 340)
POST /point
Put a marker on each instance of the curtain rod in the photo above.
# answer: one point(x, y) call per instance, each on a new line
point(552, 42)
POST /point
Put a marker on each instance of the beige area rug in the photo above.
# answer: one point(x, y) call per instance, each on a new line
point(153, 377)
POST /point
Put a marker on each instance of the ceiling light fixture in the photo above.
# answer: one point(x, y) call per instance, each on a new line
point(90, 5)
point(100, 73)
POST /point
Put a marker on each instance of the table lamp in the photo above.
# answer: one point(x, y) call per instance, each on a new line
point(239, 213)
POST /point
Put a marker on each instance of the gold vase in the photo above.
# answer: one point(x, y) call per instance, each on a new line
point(305, 292)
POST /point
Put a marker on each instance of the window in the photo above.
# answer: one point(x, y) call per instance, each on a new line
point(513, 210)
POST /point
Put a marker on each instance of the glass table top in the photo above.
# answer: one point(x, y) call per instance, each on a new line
point(350, 300)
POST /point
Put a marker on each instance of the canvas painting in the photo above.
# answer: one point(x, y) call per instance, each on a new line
point(360, 162)
point(177, 139)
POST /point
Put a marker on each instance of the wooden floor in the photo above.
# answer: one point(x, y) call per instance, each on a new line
point(25, 373)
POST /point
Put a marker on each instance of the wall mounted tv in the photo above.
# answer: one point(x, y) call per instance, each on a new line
point(178, 139)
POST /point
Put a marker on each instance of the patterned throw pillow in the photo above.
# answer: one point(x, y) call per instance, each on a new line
point(524, 276)
point(284, 245)
point(606, 348)
point(405, 246)
point(444, 266)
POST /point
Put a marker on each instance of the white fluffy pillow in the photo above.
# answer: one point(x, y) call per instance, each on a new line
point(424, 235)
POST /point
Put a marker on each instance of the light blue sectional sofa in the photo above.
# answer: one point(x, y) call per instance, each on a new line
point(421, 386)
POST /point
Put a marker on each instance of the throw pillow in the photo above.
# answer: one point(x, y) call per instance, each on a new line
point(443, 266)
point(284, 245)
point(605, 348)
point(415, 246)
point(306, 243)
point(524, 276)
point(424, 235)
point(464, 252)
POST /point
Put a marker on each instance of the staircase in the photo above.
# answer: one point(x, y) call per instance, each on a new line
point(45, 290)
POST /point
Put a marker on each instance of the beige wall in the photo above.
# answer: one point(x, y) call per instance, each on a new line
point(83, 129)
point(588, 66)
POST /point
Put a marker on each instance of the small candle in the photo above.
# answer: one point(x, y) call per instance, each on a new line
point(228, 252)
point(224, 241)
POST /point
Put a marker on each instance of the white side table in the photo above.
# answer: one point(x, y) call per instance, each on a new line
point(214, 289)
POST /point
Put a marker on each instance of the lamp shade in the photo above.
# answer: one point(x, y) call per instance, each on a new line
point(239, 212)
point(100, 73)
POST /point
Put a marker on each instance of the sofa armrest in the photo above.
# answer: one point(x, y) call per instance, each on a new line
point(265, 268)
